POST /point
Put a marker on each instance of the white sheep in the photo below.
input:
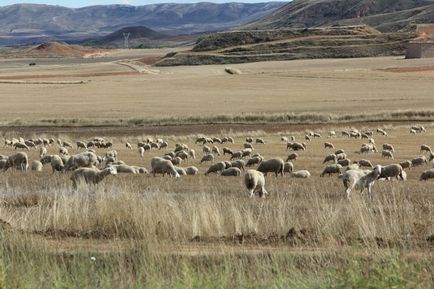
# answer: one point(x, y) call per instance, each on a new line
point(387, 154)
point(331, 169)
point(406, 164)
point(231, 172)
point(207, 158)
point(91, 175)
point(237, 164)
point(216, 168)
point(215, 150)
point(84, 159)
point(128, 146)
point(388, 147)
point(391, 171)
point(19, 161)
point(426, 175)
point(365, 163)
point(421, 160)
point(162, 166)
point(360, 179)
point(81, 145)
point(37, 166)
point(292, 157)
point(275, 165)
point(191, 170)
point(302, 174)
point(255, 182)
point(330, 157)
point(288, 167)
point(328, 145)
point(425, 148)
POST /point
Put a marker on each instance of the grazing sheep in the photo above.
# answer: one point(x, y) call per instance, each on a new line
point(215, 150)
point(328, 145)
point(292, 157)
point(216, 168)
point(231, 140)
point(344, 162)
point(91, 175)
point(236, 155)
point(405, 164)
point(141, 170)
point(419, 161)
point(63, 151)
point(229, 164)
point(271, 166)
point(353, 166)
point(426, 175)
point(255, 182)
point(371, 141)
point(284, 139)
point(425, 148)
point(227, 151)
point(418, 128)
point(332, 134)
point(316, 135)
point(248, 146)
point(288, 167)
point(181, 171)
point(387, 154)
point(162, 145)
point(67, 144)
point(360, 179)
point(295, 146)
point(30, 144)
point(307, 137)
point(238, 164)
point(368, 148)
point(42, 151)
point(84, 159)
point(412, 131)
point(192, 153)
point(21, 146)
point(191, 170)
point(3, 163)
point(339, 151)
point(18, 161)
point(260, 140)
point(81, 145)
point(365, 163)
point(176, 161)
point(162, 166)
point(141, 151)
point(382, 131)
point(246, 152)
point(391, 171)
point(207, 158)
point(302, 174)
point(217, 140)
point(388, 147)
point(341, 156)
point(331, 169)
point(125, 169)
point(183, 155)
point(206, 149)
point(128, 146)
point(249, 139)
point(345, 133)
point(231, 172)
point(254, 161)
point(330, 157)
point(37, 166)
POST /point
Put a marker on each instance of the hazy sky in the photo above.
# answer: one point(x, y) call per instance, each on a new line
point(82, 3)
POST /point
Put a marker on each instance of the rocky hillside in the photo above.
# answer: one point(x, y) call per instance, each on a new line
point(383, 15)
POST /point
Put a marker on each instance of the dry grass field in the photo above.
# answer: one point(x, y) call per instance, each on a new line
point(137, 231)
point(113, 92)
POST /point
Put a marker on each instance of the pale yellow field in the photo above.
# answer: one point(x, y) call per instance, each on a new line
point(118, 92)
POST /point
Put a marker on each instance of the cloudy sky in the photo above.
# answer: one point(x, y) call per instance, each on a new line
point(82, 3)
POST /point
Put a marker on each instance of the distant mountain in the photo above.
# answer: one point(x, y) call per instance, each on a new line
point(383, 15)
point(24, 23)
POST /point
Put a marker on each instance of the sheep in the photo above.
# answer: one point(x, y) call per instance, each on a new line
point(125, 169)
point(63, 151)
point(255, 181)
point(191, 170)
point(368, 148)
point(371, 141)
point(426, 175)
point(292, 157)
point(229, 164)
point(248, 146)
point(387, 154)
point(341, 156)
point(330, 157)
point(425, 148)
point(388, 147)
point(302, 174)
point(238, 164)
point(215, 150)
point(42, 151)
point(345, 133)
point(260, 141)
point(344, 162)
point(200, 140)
point(84, 159)
point(295, 146)
point(37, 166)
point(332, 134)
point(206, 149)
point(216, 168)
point(412, 131)
point(19, 161)
point(236, 155)
point(3, 163)
point(391, 171)
point(162, 166)
point(217, 140)
point(406, 164)
point(91, 176)
point(365, 163)
point(231, 140)
point(141, 151)
point(246, 152)
point(176, 161)
point(288, 167)
point(353, 166)
point(382, 131)
point(419, 161)
point(30, 144)
point(227, 150)
point(418, 128)
point(81, 145)
point(128, 146)
point(355, 134)
point(207, 158)
point(183, 155)
point(284, 139)
point(331, 169)
point(112, 154)
point(360, 179)
point(141, 170)
point(231, 172)
point(339, 151)
point(21, 146)
point(192, 153)
point(273, 165)
point(180, 171)
point(254, 161)
point(249, 139)
point(307, 137)
point(316, 135)
point(328, 145)
point(67, 144)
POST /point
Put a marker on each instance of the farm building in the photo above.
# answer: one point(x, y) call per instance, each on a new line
point(423, 46)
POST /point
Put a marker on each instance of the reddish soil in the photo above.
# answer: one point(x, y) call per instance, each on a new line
point(56, 49)
point(47, 76)
point(150, 60)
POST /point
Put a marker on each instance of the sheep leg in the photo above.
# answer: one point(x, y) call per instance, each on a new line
point(251, 193)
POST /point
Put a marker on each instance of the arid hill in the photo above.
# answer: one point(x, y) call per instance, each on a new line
point(57, 49)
